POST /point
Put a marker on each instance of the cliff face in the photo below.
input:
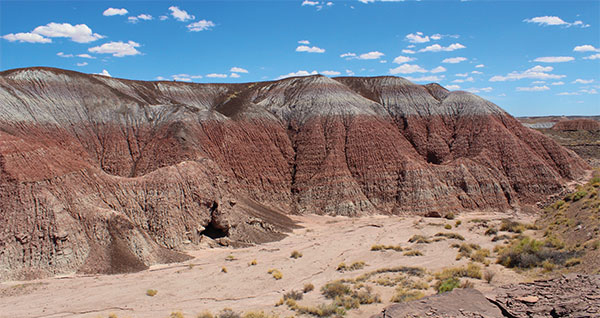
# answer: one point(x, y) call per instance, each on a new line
point(96, 170)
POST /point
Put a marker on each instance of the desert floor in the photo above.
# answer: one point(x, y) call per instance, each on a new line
point(199, 284)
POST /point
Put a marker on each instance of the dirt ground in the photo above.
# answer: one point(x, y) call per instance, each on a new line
point(200, 284)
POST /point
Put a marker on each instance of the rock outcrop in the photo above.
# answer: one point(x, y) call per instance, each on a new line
point(94, 169)
point(577, 124)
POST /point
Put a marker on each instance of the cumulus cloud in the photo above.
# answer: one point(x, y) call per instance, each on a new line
point(452, 87)
point(216, 75)
point(163, 18)
point(299, 73)
point(479, 90)
point(330, 73)
point(438, 69)
point(309, 49)
point(476, 72)
point(554, 59)
point(104, 73)
point(403, 59)
point(408, 51)
point(454, 60)
point(533, 89)
point(201, 25)
point(113, 11)
point(554, 20)
point(82, 64)
point(479, 65)
point(439, 48)
point(536, 72)
point(431, 78)
point(558, 83)
point(182, 77)
point(582, 81)
point(180, 15)
point(407, 69)
point(142, 16)
point(234, 75)
point(306, 42)
point(26, 37)
point(417, 38)
point(349, 72)
point(462, 74)
point(61, 54)
point(85, 56)
point(365, 56)
point(236, 69)
point(79, 33)
point(585, 48)
point(348, 55)
point(118, 49)
point(592, 57)
point(568, 93)
point(310, 3)
point(468, 79)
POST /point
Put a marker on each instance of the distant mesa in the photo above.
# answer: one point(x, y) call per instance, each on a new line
point(108, 175)
point(577, 124)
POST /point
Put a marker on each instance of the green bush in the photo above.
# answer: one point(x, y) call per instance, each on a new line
point(151, 292)
point(448, 285)
point(335, 289)
point(527, 253)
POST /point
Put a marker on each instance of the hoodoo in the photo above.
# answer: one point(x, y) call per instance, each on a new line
point(100, 174)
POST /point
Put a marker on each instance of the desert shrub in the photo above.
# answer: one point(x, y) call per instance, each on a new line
point(295, 295)
point(342, 267)
point(381, 247)
point(322, 310)
point(419, 239)
point(527, 252)
point(112, 315)
point(365, 296)
point(480, 255)
point(176, 314)
point(228, 313)
point(491, 231)
point(252, 263)
point(488, 276)
point(420, 285)
point(275, 273)
point(308, 288)
point(466, 249)
point(346, 302)
point(230, 258)
point(573, 261)
point(500, 238)
point(578, 195)
point(296, 255)
point(404, 295)
point(548, 266)
point(448, 284)
point(224, 269)
point(512, 226)
point(151, 292)
point(205, 314)
point(448, 226)
point(259, 314)
point(457, 223)
point(451, 235)
point(449, 216)
point(472, 270)
point(413, 253)
point(335, 289)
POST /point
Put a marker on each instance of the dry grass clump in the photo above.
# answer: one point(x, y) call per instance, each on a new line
point(526, 252)
point(472, 270)
point(449, 216)
point(514, 226)
point(480, 256)
point(404, 295)
point(295, 295)
point(413, 253)
point(228, 313)
point(252, 263)
point(417, 238)
point(322, 310)
point(176, 314)
point(259, 314)
point(230, 258)
point(488, 276)
point(342, 267)
point(448, 226)
point(205, 314)
point(224, 269)
point(335, 289)
point(276, 273)
point(151, 292)
point(491, 231)
point(308, 288)
point(466, 249)
point(296, 255)
point(451, 235)
point(381, 247)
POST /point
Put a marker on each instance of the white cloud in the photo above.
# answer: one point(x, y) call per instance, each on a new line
point(113, 11)
point(407, 51)
point(592, 57)
point(201, 25)
point(330, 73)
point(462, 74)
point(26, 37)
point(180, 15)
point(61, 54)
point(407, 69)
point(118, 49)
point(438, 69)
point(479, 66)
point(234, 75)
point(417, 38)
point(85, 56)
point(436, 36)
point(142, 16)
point(182, 77)
point(236, 69)
point(299, 73)
point(310, 3)
point(79, 33)
point(533, 89)
point(589, 91)
point(104, 73)
point(82, 64)
point(582, 81)
point(163, 18)
point(308, 49)
point(452, 87)
point(160, 78)
point(468, 79)
point(558, 83)
point(554, 20)
point(349, 72)
point(371, 55)
point(329, 4)
point(554, 59)
point(479, 90)
point(431, 78)
point(439, 48)
point(538, 82)
point(454, 60)
point(476, 72)
point(568, 93)
point(383, 61)
point(306, 42)
point(132, 19)
point(403, 59)
point(586, 48)
point(536, 72)
point(215, 75)
point(348, 55)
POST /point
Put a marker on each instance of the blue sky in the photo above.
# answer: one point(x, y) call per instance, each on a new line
point(529, 57)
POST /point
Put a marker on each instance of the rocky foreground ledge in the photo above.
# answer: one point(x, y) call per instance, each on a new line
point(572, 295)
